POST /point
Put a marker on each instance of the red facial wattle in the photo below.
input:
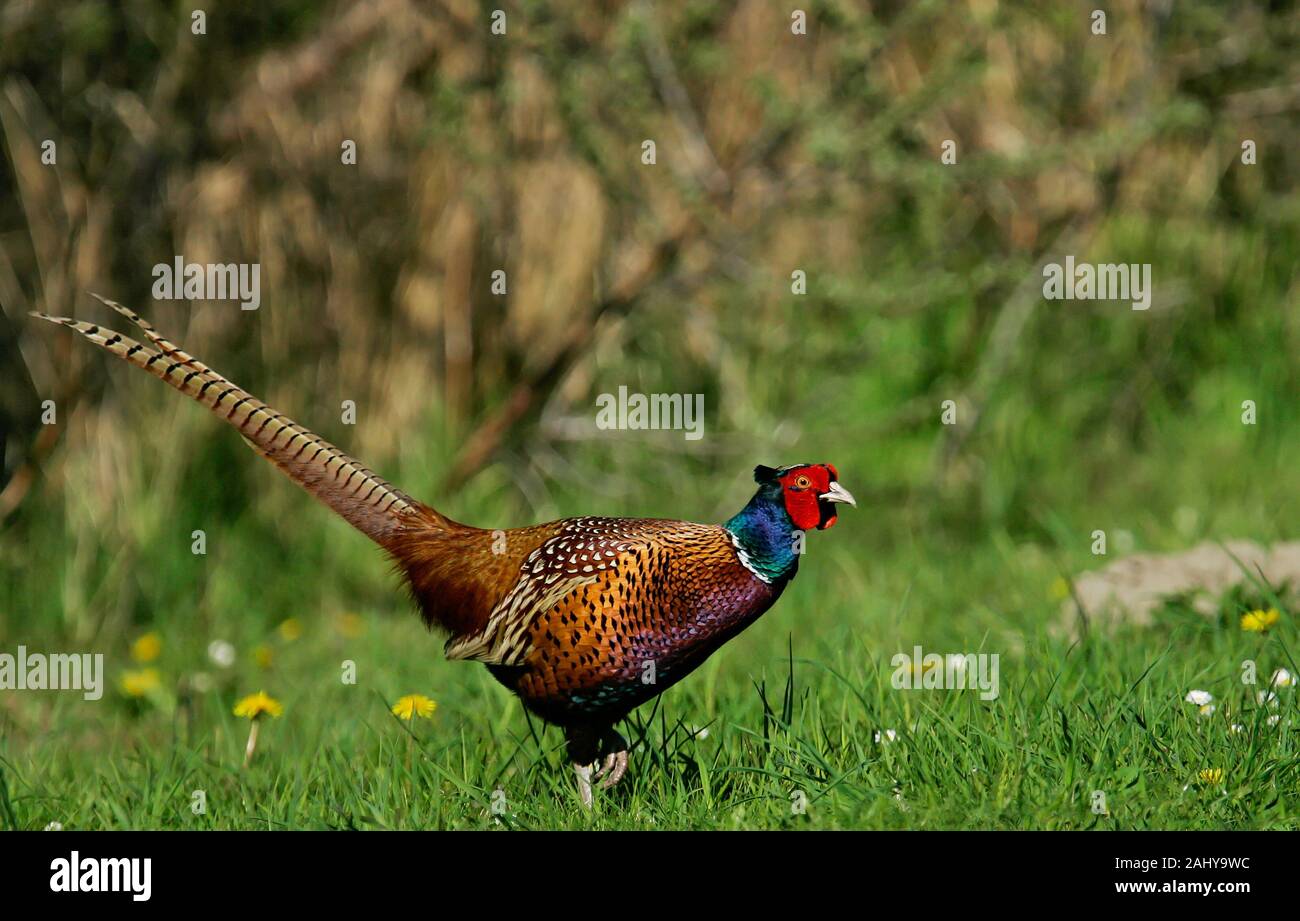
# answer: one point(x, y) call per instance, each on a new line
point(805, 515)
point(802, 489)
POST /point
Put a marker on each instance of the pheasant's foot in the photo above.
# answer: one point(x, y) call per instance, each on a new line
point(596, 754)
point(614, 747)
point(614, 768)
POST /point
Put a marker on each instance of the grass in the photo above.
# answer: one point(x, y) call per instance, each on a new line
point(778, 731)
point(102, 553)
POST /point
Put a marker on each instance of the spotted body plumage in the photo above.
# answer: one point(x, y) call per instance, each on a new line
point(583, 618)
point(611, 611)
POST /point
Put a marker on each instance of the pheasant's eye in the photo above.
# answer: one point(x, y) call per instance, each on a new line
point(802, 483)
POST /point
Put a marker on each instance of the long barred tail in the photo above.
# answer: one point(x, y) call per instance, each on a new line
point(368, 503)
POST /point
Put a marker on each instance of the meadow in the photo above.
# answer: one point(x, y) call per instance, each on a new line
point(793, 725)
point(923, 292)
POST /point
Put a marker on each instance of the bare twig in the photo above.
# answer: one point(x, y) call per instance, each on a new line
point(700, 155)
point(528, 395)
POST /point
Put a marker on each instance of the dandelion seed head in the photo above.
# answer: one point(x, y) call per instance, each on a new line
point(221, 653)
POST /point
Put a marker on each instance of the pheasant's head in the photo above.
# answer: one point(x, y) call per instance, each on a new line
point(809, 492)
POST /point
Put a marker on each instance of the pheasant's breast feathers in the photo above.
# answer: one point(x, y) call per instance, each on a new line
point(600, 587)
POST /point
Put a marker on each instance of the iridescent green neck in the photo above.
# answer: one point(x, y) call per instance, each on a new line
point(767, 535)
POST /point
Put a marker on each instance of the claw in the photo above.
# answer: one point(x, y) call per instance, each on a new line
point(614, 768)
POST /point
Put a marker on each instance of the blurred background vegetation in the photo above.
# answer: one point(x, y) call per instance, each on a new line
point(776, 152)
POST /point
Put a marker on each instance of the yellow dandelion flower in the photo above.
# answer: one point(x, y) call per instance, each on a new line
point(290, 629)
point(1260, 621)
point(413, 705)
point(264, 656)
point(255, 705)
point(146, 648)
point(1211, 776)
point(1060, 589)
point(351, 625)
point(141, 681)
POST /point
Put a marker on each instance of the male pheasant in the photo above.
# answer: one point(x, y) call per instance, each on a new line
point(583, 618)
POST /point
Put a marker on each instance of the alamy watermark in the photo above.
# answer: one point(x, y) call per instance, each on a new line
point(953, 672)
point(1085, 281)
point(103, 874)
point(37, 671)
point(682, 412)
point(213, 281)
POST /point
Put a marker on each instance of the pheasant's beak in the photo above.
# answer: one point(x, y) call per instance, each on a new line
point(838, 493)
point(826, 504)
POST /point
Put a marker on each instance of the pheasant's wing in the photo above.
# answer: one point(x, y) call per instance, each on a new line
point(597, 582)
point(578, 554)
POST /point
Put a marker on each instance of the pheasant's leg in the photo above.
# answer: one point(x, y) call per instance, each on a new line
point(582, 752)
point(615, 766)
point(584, 782)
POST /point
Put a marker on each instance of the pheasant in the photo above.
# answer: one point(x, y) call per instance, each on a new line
point(583, 618)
